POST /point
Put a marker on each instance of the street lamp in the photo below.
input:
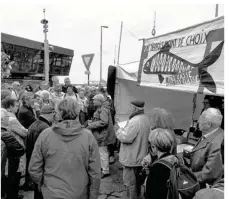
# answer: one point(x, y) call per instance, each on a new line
point(154, 29)
point(101, 52)
point(46, 47)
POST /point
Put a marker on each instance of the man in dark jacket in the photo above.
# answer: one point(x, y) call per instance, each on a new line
point(67, 82)
point(108, 102)
point(26, 114)
point(103, 131)
point(43, 122)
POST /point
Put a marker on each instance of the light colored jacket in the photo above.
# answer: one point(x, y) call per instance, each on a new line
point(66, 162)
point(134, 141)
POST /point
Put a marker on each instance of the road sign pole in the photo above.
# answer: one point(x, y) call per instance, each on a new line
point(88, 79)
point(87, 59)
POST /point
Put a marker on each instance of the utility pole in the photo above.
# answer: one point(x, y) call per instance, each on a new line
point(119, 46)
point(46, 48)
point(216, 10)
point(101, 53)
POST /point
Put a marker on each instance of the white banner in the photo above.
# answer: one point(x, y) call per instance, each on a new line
point(190, 59)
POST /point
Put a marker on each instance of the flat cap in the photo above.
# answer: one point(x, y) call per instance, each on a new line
point(47, 109)
point(139, 104)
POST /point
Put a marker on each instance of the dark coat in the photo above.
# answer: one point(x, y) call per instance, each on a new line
point(33, 133)
point(156, 183)
point(102, 126)
point(3, 157)
point(26, 116)
point(14, 151)
point(14, 148)
point(206, 160)
point(91, 107)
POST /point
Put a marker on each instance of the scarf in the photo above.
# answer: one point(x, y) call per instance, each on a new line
point(138, 112)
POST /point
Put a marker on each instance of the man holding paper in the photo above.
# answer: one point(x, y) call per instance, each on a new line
point(134, 147)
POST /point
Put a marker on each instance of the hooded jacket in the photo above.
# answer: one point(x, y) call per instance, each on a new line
point(66, 162)
point(102, 126)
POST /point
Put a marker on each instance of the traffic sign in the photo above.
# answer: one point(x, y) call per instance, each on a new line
point(87, 59)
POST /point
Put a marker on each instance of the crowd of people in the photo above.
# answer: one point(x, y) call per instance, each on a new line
point(62, 139)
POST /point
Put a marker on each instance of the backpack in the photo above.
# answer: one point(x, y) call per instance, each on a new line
point(182, 183)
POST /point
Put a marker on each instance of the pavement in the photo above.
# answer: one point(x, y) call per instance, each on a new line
point(111, 187)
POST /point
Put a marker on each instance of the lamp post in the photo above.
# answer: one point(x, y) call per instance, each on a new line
point(154, 28)
point(46, 47)
point(101, 52)
point(216, 10)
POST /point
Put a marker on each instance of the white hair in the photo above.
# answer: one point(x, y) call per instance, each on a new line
point(44, 93)
point(15, 83)
point(213, 115)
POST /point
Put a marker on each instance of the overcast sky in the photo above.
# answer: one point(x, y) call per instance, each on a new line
point(77, 26)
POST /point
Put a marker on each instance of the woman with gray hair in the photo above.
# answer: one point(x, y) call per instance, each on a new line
point(161, 143)
point(161, 118)
point(65, 161)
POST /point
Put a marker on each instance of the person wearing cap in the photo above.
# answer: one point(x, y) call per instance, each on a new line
point(65, 161)
point(103, 130)
point(43, 122)
point(134, 147)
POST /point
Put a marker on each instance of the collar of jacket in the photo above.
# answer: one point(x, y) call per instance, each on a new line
point(164, 155)
point(210, 133)
point(43, 119)
point(203, 143)
point(138, 112)
point(28, 107)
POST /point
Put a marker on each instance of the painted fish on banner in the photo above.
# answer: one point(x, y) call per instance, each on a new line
point(190, 59)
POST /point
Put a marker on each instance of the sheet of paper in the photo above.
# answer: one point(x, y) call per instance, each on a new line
point(181, 147)
point(122, 124)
